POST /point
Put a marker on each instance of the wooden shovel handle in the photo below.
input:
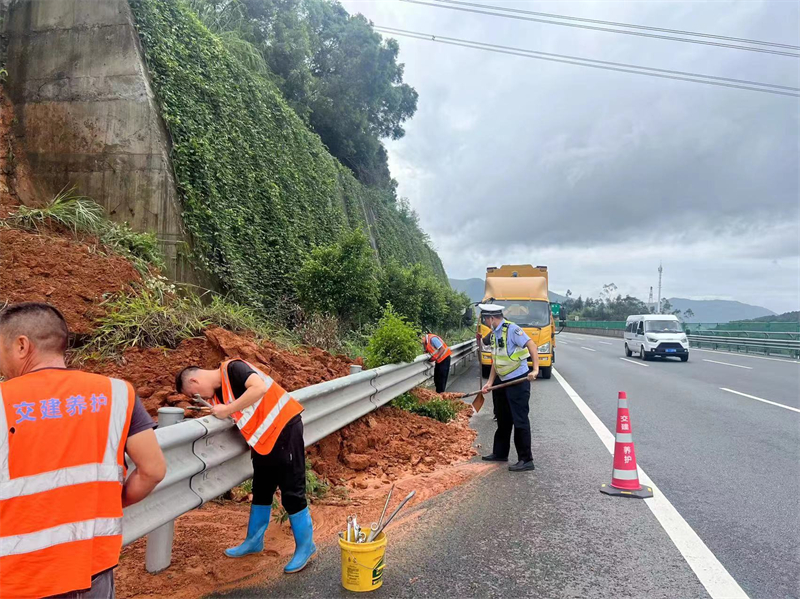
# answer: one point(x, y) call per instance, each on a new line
point(500, 386)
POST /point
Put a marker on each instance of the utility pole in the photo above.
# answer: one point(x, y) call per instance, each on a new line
point(660, 269)
point(650, 299)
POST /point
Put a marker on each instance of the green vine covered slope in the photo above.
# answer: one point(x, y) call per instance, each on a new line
point(259, 189)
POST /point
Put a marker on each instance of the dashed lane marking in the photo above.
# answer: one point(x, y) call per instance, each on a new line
point(772, 403)
point(588, 348)
point(708, 569)
point(728, 364)
point(635, 362)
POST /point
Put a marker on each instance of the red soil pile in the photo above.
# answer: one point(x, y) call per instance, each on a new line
point(69, 274)
point(152, 371)
point(389, 444)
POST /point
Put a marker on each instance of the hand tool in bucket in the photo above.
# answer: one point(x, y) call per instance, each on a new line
point(374, 531)
point(394, 513)
point(479, 399)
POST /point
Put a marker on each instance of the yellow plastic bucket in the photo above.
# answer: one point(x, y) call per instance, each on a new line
point(363, 564)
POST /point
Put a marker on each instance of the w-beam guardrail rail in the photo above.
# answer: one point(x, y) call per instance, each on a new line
point(763, 343)
point(207, 457)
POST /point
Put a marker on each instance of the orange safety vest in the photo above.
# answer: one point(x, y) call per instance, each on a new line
point(432, 350)
point(262, 422)
point(62, 465)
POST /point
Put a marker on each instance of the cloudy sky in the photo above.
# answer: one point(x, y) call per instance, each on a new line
point(598, 174)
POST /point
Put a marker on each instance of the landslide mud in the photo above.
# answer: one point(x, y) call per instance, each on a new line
point(64, 272)
point(395, 447)
point(152, 371)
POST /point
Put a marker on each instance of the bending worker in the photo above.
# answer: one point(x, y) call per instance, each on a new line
point(269, 420)
point(511, 348)
point(63, 438)
point(440, 353)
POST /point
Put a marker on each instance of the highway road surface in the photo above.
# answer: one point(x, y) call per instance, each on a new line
point(725, 466)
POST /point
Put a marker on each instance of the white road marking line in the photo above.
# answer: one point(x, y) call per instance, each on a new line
point(772, 403)
point(605, 342)
point(740, 355)
point(708, 569)
point(588, 348)
point(728, 364)
point(635, 362)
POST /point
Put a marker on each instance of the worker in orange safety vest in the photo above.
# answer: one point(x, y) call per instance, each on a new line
point(63, 438)
point(270, 422)
point(440, 353)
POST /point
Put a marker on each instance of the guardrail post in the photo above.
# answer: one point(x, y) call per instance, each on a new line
point(356, 368)
point(158, 555)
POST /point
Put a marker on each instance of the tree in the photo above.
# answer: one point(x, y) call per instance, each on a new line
point(337, 73)
point(341, 280)
point(688, 314)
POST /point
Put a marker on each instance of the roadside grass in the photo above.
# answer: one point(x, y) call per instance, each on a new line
point(79, 214)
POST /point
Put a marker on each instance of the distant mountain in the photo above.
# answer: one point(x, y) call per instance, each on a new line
point(474, 289)
point(785, 317)
point(718, 310)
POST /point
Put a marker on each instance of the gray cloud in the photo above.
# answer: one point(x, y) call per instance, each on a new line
point(601, 174)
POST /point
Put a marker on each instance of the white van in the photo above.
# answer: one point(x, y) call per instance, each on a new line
point(651, 335)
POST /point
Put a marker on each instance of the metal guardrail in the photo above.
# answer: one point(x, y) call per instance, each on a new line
point(786, 347)
point(207, 457)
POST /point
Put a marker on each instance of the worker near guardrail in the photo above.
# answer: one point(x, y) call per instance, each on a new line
point(440, 354)
point(63, 438)
point(269, 420)
point(511, 348)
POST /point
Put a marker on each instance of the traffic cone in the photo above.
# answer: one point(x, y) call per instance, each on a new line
point(624, 475)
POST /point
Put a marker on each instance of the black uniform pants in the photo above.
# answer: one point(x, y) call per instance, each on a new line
point(511, 406)
point(282, 468)
point(440, 374)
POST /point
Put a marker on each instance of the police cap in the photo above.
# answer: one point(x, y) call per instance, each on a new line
point(491, 309)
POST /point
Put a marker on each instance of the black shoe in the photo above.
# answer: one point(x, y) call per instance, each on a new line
point(493, 458)
point(522, 466)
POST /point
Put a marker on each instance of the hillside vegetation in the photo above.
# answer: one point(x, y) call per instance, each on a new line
point(260, 190)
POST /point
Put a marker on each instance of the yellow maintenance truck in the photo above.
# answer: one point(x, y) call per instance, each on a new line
point(522, 290)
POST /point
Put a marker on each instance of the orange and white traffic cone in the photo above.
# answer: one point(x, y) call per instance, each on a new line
point(624, 475)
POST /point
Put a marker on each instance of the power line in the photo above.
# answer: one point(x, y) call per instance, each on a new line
point(618, 24)
point(637, 33)
point(598, 64)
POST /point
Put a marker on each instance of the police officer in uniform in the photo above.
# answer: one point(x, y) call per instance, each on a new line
point(511, 348)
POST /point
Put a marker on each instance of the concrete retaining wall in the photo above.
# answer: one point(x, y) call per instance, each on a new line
point(87, 116)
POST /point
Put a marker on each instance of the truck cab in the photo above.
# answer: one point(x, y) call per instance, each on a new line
point(522, 291)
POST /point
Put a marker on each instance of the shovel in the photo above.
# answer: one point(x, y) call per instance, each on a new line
point(479, 399)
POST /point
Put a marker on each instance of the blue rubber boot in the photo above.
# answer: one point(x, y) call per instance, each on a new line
point(256, 527)
point(303, 531)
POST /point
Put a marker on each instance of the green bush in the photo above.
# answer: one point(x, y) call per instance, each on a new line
point(442, 410)
point(406, 402)
point(422, 298)
point(395, 340)
point(341, 279)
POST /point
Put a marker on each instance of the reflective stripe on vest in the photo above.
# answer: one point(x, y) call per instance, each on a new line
point(430, 349)
point(4, 476)
point(86, 507)
point(505, 363)
point(66, 533)
point(267, 416)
